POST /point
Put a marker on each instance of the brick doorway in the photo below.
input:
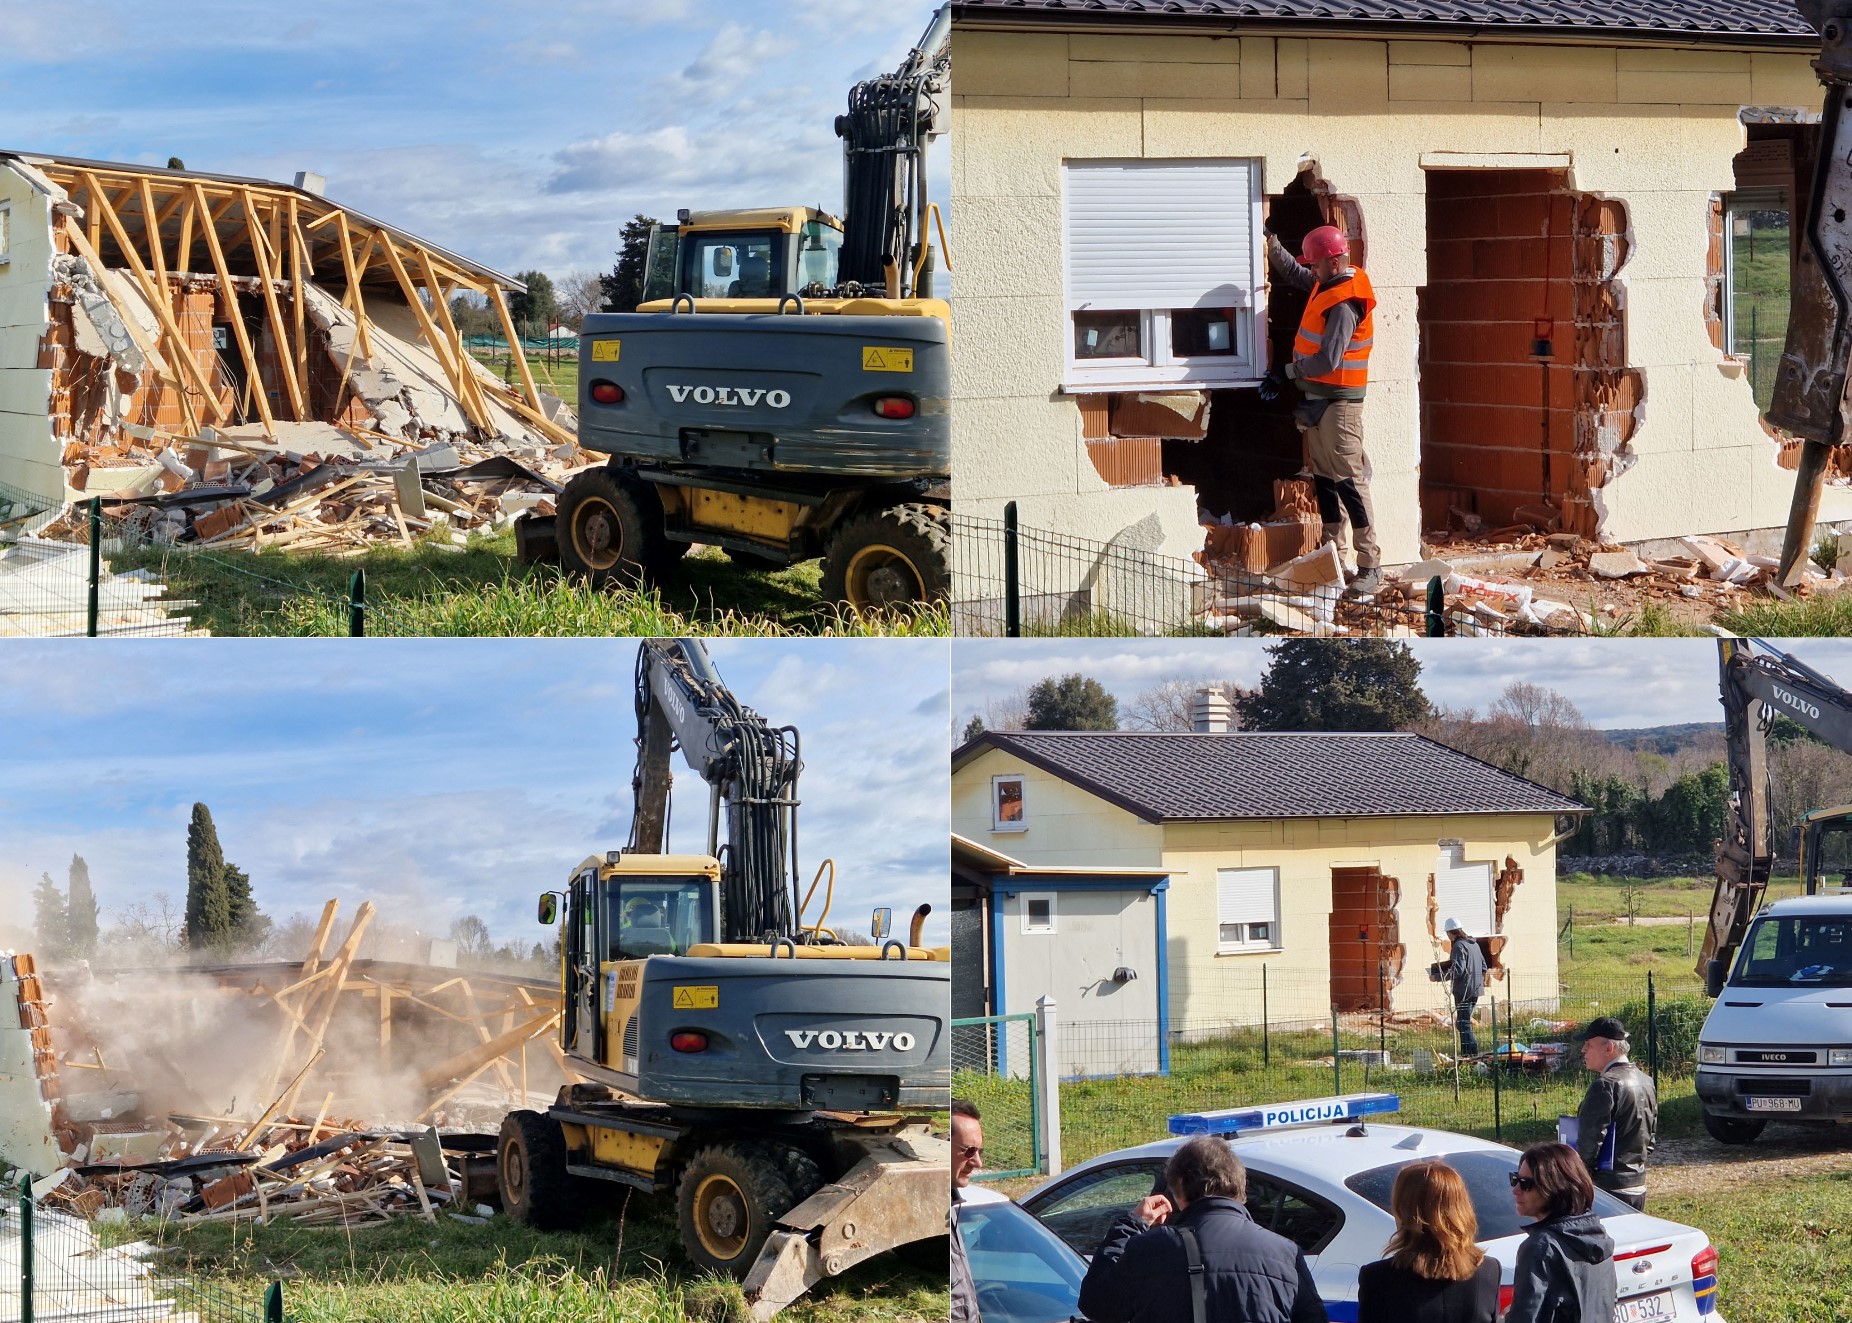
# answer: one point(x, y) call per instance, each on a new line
point(1366, 939)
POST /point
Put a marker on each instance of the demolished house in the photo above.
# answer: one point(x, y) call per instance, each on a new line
point(334, 1089)
point(1544, 199)
point(238, 363)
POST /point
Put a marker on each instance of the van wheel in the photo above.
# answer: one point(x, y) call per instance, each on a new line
point(892, 557)
point(1729, 1130)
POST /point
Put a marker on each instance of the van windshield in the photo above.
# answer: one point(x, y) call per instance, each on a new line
point(1797, 951)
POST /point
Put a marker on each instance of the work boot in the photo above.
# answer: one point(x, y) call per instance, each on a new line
point(1366, 583)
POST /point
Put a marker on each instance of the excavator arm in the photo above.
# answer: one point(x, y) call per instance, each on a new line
point(1810, 390)
point(1757, 683)
point(751, 769)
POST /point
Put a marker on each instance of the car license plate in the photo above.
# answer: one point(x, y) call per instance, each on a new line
point(1645, 1308)
point(1772, 1104)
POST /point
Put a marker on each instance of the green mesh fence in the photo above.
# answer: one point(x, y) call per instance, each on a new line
point(996, 1065)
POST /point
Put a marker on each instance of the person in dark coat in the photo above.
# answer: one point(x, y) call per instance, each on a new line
point(1618, 1121)
point(1464, 973)
point(1435, 1272)
point(1141, 1271)
point(1565, 1269)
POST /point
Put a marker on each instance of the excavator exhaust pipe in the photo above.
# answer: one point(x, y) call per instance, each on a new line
point(919, 925)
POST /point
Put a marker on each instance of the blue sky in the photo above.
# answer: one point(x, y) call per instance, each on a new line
point(1617, 683)
point(519, 135)
point(441, 778)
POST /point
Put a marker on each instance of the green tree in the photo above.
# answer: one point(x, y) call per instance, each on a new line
point(1336, 684)
point(535, 309)
point(208, 900)
point(1074, 702)
point(80, 910)
point(623, 284)
point(249, 925)
point(51, 927)
point(973, 729)
point(474, 943)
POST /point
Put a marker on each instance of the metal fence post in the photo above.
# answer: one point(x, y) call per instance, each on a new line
point(1498, 1114)
point(1437, 609)
point(1337, 1062)
point(1050, 1100)
point(96, 561)
point(357, 605)
point(1012, 576)
point(1652, 1028)
point(25, 1248)
point(273, 1303)
point(1266, 1047)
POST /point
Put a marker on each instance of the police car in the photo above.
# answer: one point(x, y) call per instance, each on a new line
point(1023, 1272)
point(1320, 1172)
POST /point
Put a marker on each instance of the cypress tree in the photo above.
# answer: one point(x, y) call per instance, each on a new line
point(208, 901)
point(51, 924)
point(81, 910)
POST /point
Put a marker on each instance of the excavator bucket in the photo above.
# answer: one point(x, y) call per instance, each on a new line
point(900, 1192)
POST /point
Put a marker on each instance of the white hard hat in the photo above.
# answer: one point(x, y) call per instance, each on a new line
point(1452, 926)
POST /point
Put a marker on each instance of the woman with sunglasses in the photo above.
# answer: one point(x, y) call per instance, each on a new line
point(1565, 1269)
point(1435, 1272)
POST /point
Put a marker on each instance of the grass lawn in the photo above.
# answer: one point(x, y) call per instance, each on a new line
point(1761, 305)
point(1781, 1246)
point(553, 374)
point(627, 1268)
point(434, 589)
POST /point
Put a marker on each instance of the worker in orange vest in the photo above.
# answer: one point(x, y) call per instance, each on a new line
point(1331, 366)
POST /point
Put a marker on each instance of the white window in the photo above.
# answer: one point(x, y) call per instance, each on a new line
point(1463, 891)
point(1038, 911)
point(6, 233)
point(1164, 271)
point(1755, 283)
point(1247, 909)
point(1006, 808)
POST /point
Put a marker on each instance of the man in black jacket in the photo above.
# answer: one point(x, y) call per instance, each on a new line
point(1618, 1122)
point(1146, 1271)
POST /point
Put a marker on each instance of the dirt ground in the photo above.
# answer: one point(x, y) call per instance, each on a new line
point(1701, 1164)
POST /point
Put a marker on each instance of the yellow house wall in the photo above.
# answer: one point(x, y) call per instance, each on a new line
point(29, 456)
point(1655, 129)
point(1067, 827)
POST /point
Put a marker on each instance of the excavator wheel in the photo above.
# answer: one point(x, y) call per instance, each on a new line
point(1729, 1130)
point(531, 1167)
point(890, 557)
point(730, 1196)
point(609, 526)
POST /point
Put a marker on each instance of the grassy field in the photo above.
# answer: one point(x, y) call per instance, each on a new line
point(1761, 305)
point(625, 1267)
point(554, 374)
point(435, 589)
point(1781, 1246)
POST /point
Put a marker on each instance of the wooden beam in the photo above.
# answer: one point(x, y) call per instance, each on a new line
point(133, 327)
point(237, 320)
point(298, 260)
point(354, 271)
point(162, 311)
point(94, 197)
point(183, 255)
point(324, 1011)
point(514, 348)
point(313, 960)
point(270, 275)
point(473, 1061)
point(153, 228)
point(440, 302)
point(431, 335)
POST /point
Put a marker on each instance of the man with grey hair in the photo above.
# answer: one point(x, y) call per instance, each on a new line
point(1192, 1252)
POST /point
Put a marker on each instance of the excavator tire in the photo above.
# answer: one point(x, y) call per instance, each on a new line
point(609, 526)
point(890, 557)
point(530, 1164)
point(1729, 1130)
point(730, 1196)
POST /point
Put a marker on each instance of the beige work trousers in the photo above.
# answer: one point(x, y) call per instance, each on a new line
point(1334, 451)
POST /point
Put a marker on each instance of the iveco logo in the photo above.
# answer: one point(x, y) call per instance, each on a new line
point(734, 395)
point(850, 1040)
point(1796, 702)
point(1774, 1056)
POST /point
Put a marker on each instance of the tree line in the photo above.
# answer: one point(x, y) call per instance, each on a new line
point(1645, 799)
point(567, 301)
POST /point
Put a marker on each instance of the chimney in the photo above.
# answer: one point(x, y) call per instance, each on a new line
point(1211, 713)
point(310, 182)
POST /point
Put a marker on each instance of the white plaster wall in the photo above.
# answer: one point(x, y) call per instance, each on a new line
point(26, 1139)
point(29, 456)
point(1107, 1028)
point(1654, 129)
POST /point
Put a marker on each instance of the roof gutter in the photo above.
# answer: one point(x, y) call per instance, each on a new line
point(1022, 20)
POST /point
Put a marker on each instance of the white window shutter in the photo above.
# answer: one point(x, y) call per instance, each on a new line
point(1463, 892)
point(1245, 895)
point(1160, 234)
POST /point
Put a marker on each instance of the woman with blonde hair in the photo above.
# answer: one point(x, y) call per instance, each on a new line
point(1435, 1272)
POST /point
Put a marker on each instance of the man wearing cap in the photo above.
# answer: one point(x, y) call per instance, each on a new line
point(1331, 366)
point(1619, 1118)
point(1464, 970)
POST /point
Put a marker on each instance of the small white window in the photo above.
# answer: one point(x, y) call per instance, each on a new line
point(1038, 912)
point(1164, 271)
point(6, 232)
point(1247, 909)
point(1006, 807)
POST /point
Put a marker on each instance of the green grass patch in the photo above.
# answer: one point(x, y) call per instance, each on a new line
point(1781, 1246)
point(437, 589)
point(1826, 616)
point(554, 374)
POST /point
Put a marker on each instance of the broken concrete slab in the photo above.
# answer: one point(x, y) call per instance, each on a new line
point(1615, 564)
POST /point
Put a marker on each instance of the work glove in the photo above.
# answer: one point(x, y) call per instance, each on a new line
point(1272, 385)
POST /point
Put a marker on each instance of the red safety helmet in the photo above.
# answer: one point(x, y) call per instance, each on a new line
point(1325, 241)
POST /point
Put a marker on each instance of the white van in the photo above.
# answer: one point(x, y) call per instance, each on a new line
point(1777, 1046)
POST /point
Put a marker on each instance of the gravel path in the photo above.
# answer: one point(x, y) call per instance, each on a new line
point(1699, 1164)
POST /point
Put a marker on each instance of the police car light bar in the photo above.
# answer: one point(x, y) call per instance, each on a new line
point(1274, 1116)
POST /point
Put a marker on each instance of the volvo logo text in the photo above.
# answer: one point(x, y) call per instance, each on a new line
point(1796, 702)
point(850, 1040)
point(740, 396)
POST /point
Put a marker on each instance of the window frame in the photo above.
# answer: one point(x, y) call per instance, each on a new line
point(997, 822)
point(6, 233)
point(1743, 200)
point(1159, 365)
point(1274, 944)
point(1035, 930)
